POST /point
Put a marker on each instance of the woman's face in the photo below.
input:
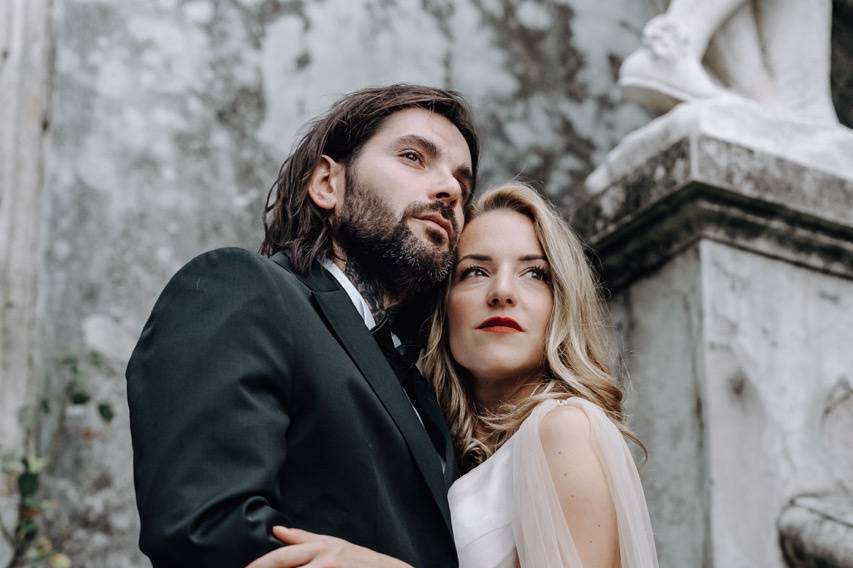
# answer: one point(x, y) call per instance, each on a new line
point(500, 301)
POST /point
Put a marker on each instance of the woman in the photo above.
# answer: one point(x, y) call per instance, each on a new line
point(517, 357)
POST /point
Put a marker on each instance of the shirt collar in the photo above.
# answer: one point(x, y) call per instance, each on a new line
point(355, 296)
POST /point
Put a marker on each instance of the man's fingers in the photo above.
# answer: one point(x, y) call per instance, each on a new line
point(293, 536)
point(286, 557)
point(280, 533)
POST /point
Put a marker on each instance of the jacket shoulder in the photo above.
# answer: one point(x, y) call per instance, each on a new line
point(238, 266)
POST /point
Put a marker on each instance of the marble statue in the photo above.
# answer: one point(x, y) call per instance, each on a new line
point(774, 52)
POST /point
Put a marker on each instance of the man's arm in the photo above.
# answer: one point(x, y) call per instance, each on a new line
point(208, 388)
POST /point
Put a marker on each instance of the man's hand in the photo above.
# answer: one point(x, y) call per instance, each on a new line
point(311, 550)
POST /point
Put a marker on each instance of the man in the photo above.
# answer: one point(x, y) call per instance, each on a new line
point(258, 395)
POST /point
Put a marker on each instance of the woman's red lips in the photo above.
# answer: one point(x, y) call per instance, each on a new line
point(499, 324)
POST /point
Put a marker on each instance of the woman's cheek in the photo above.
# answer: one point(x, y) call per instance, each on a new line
point(455, 339)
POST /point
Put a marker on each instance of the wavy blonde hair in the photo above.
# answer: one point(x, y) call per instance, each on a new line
point(577, 347)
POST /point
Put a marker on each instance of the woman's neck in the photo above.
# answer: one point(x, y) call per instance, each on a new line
point(491, 395)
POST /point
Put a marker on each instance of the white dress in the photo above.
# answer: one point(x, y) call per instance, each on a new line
point(506, 512)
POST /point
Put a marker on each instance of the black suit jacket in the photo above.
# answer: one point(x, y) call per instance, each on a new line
point(258, 397)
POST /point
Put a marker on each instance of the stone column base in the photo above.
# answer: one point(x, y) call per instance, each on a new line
point(730, 276)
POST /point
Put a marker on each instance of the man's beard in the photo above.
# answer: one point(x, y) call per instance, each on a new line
point(383, 249)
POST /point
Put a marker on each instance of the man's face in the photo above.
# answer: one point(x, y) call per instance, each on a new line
point(402, 210)
point(419, 158)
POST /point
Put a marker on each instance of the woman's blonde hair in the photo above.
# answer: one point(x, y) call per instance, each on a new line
point(577, 346)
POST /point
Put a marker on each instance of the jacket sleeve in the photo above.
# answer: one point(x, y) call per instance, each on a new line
point(208, 387)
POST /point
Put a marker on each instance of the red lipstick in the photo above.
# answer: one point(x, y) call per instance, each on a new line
point(499, 324)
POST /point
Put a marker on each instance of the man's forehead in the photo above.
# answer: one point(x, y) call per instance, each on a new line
point(435, 128)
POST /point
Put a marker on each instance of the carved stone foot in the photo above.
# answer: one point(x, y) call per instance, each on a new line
point(663, 72)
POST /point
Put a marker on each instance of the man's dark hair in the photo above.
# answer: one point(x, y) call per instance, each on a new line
point(292, 222)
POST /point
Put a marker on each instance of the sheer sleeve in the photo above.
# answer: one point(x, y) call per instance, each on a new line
point(541, 534)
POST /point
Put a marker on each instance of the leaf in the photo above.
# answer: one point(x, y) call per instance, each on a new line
point(28, 483)
point(106, 411)
point(44, 405)
point(79, 397)
point(36, 464)
point(31, 507)
point(59, 560)
point(26, 528)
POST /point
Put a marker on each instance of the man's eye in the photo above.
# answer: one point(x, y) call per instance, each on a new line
point(411, 156)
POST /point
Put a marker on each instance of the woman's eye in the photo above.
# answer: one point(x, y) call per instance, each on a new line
point(472, 271)
point(538, 273)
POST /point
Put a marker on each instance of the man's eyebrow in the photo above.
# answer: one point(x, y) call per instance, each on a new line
point(414, 140)
point(462, 172)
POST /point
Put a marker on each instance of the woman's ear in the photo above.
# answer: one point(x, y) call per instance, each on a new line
point(326, 184)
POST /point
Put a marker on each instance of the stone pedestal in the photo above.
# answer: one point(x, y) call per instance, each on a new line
point(730, 277)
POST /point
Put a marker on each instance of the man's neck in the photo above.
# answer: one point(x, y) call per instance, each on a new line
point(371, 289)
point(376, 297)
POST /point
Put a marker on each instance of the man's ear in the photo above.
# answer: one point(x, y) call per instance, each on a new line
point(326, 184)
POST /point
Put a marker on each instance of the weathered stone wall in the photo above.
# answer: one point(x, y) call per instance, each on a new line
point(172, 117)
point(739, 422)
point(731, 267)
point(664, 400)
point(773, 421)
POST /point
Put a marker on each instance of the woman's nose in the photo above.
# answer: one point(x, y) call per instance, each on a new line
point(502, 292)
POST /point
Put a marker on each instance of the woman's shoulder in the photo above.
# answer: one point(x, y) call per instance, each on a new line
point(569, 422)
point(563, 424)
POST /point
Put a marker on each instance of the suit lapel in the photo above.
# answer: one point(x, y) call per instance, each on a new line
point(349, 329)
point(429, 405)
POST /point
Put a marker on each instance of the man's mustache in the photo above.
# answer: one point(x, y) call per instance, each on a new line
point(418, 209)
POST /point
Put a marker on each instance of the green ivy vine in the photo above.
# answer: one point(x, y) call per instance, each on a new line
point(23, 468)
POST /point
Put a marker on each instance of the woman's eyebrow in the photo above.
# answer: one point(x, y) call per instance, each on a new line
point(480, 257)
point(487, 258)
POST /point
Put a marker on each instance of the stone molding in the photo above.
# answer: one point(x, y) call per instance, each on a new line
point(702, 187)
point(25, 61)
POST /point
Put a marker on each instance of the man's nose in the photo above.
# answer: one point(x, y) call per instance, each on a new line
point(447, 189)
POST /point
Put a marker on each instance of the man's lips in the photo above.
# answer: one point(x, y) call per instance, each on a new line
point(445, 225)
point(500, 324)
